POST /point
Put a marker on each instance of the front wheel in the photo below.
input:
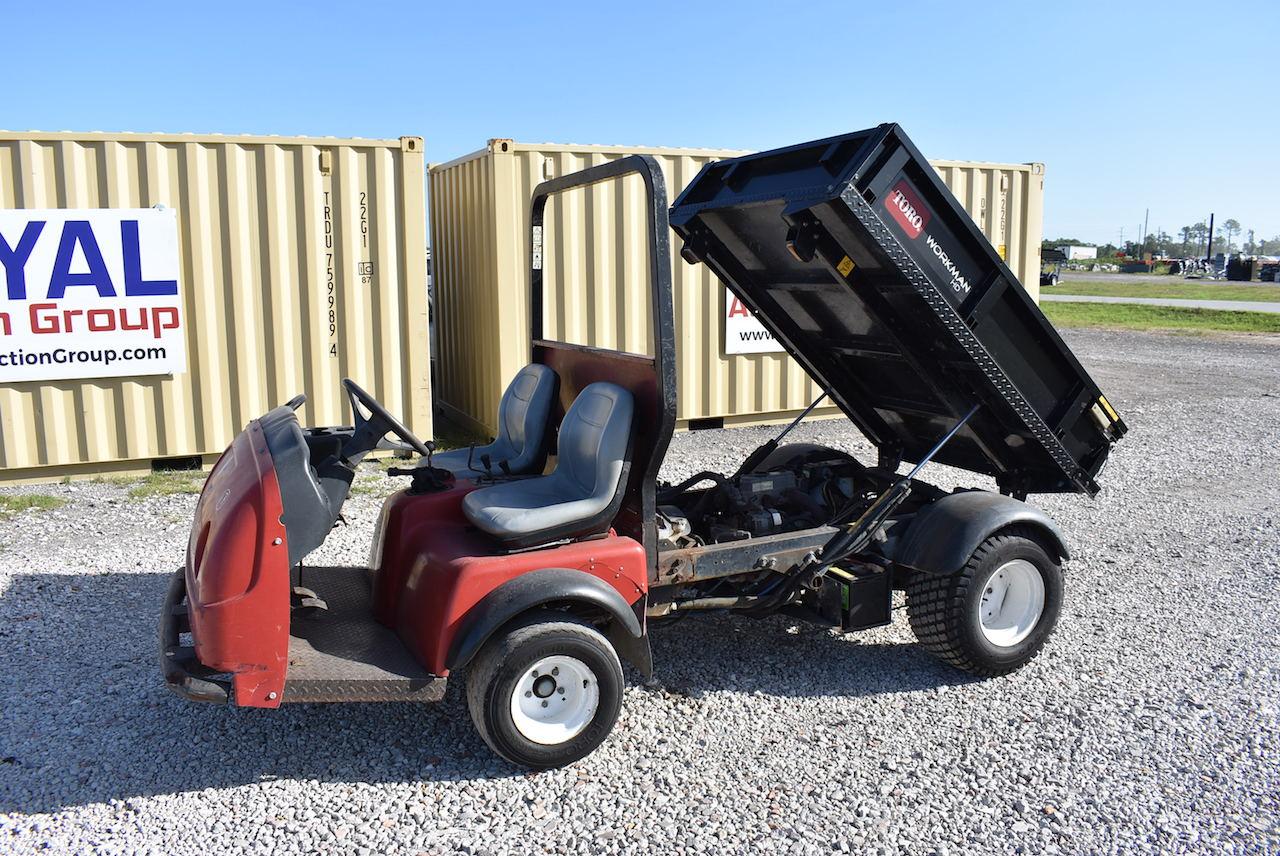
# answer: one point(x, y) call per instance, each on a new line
point(546, 691)
point(995, 614)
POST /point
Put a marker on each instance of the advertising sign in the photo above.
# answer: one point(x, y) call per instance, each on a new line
point(743, 334)
point(89, 293)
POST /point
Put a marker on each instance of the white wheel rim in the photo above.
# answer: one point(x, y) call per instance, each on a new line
point(1011, 604)
point(555, 699)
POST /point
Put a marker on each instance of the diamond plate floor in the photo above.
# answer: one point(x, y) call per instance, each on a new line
point(343, 654)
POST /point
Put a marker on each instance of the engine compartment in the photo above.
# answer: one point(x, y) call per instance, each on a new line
point(797, 487)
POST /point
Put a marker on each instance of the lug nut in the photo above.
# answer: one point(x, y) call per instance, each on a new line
point(544, 704)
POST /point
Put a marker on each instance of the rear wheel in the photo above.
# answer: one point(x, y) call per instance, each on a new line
point(546, 691)
point(996, 613)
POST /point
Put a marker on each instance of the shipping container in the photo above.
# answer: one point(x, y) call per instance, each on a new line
point(300, 261)
point(479, 211)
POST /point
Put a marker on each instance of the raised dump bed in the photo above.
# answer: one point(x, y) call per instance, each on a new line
point(856, 256)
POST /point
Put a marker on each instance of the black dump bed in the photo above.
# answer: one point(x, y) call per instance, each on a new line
point(853, 253)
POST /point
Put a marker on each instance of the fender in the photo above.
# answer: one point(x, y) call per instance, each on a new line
point(537, 588)
point(944, 535)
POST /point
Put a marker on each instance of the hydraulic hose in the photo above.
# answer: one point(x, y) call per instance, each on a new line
point(676, 490)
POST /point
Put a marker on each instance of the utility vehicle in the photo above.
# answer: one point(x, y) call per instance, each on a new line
point(1051, 262)
point(536, 562)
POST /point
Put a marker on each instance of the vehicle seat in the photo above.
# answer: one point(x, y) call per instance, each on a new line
point(582, 496)
point(522, 429)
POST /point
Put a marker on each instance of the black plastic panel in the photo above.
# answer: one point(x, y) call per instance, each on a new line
point(861, 262)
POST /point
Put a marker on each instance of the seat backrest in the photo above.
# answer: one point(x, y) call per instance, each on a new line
point(594, 437)
point(523, 414)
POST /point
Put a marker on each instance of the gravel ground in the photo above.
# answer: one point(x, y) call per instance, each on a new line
point(1149, 724)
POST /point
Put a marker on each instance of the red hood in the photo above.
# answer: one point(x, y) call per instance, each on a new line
point(238, 572)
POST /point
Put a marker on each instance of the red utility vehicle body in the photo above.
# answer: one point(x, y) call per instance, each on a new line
point(433, 566)
point(438, 588)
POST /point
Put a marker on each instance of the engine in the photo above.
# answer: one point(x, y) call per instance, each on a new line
point(798, 494)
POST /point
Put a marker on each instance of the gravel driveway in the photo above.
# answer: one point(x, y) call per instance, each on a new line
point(1149, 724)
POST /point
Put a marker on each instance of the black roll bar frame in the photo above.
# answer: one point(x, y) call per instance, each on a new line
point(660, 299)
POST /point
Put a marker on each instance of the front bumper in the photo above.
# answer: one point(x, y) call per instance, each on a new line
point(183, 672)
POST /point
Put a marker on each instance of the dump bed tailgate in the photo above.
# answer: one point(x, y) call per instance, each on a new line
point(871, 274)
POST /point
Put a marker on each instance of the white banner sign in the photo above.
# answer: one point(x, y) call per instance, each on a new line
point(743, 334)
point(89, 293)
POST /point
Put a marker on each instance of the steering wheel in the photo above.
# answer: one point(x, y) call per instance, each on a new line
point(369, 430)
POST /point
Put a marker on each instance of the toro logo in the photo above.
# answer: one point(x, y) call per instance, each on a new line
point(907, 209)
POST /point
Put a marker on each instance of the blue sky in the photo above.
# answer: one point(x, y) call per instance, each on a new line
point(1171, 106)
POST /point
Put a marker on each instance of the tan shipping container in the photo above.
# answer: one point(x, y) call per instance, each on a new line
point(479, 244)
point(253, 215)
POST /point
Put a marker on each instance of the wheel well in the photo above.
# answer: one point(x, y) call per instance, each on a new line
point(634, 650)
point(572, 592)
point(944, 534)
point(589, 612)
point(1032, 532)
point(1044, 539)
point(583, 611)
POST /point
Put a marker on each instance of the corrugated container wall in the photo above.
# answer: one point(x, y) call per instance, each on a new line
point(253, 213)
point(479, 244)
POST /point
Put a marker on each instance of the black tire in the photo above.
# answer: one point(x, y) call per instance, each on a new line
point(944, 611)
point(494, 675)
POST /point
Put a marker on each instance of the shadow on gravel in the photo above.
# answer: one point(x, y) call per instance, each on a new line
point(784, 657)
point(86, 718)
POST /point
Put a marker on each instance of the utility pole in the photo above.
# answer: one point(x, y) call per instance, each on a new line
point(1146, 220)
point(1208, 246)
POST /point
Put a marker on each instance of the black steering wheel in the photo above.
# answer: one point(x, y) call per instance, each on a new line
point(370, 430)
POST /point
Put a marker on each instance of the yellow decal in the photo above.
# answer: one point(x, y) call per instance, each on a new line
point(1106, 405)
point(1001, 250)
point(845, 266)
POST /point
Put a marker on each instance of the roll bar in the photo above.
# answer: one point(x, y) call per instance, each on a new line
point(660, 299)
point(659, 245)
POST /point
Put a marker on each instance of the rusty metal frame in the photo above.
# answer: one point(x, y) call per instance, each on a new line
point(713, 561)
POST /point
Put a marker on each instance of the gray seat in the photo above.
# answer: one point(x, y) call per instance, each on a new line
point(583, 494)
point(522, 429)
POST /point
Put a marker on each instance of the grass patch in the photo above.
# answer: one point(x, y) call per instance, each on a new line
point(449, 436)
point(11, 505)
point(1129, 316)
point(167, 483)
point(1176, 288)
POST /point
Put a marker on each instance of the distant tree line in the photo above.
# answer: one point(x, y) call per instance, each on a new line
point(1187, 242)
